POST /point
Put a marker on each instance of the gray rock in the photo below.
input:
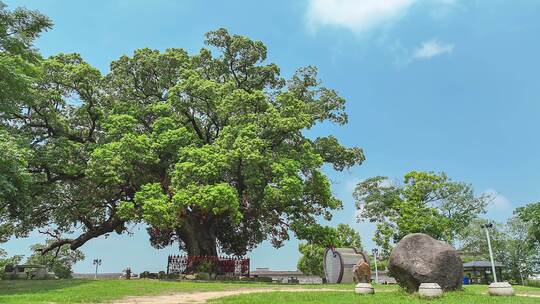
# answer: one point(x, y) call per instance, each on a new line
point(419, 258)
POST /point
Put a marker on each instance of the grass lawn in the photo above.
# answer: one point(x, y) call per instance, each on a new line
point(383, 295)
point(85, 291)
point(90, 291)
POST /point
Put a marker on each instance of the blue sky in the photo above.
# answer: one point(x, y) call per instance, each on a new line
point(441, 85)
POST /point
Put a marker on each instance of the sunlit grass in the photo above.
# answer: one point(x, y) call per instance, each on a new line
point(90, 291)
point(84, 291)
point(384, 294)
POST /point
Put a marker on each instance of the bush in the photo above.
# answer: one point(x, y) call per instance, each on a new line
point(533, 283)
point(62, 272)
point(162, 275)
point(144, 275)
point(148, 275)
point(205, 276)
point(207, 266)
point(173, 276)
point(263, 279)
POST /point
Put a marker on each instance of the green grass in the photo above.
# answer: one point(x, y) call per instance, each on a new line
point(386, 298)
point(90, 291)
point(386, 295)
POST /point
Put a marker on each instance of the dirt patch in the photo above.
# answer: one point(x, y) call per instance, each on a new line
point(203, 297)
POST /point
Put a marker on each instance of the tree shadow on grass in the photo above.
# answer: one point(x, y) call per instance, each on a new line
point(19, 287)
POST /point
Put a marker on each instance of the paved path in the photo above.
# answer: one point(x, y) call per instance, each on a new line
point(204, 296)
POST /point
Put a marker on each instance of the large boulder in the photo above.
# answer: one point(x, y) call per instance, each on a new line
point(419, 258)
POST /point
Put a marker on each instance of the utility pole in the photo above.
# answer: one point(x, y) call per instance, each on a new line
point(486, 227)
point(375, 252)
point(96, 262)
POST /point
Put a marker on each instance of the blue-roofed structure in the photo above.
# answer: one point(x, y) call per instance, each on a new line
point(480, 272)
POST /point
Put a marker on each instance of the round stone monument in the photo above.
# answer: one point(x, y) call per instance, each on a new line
point(364, 288)
point(430, 290)
point(338, 264)
point(501, 289)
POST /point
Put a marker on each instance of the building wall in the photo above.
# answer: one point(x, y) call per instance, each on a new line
point(301, 279)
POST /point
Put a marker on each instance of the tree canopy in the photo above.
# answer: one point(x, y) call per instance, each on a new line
point(19, 67)
point(426, 202)
point(207, 149)
point(18, 31)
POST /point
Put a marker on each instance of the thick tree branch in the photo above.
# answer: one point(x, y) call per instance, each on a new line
point(112, 224)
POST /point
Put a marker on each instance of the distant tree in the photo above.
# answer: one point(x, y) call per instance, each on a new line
point(60, 261)
point(5, 260)
point(311, 260)
point(530, 214)
point(426, 202)
point(205, 149)
point(473, 241)
point(510, 243)
point(520, 255)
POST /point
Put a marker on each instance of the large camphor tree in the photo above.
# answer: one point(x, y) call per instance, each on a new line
point(207, 149)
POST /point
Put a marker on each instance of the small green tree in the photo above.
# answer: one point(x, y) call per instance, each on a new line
point(311, 260)
point(60, 261)
point(5, 260)
point(426, 202)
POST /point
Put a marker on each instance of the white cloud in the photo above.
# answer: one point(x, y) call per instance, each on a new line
point(364, 15)
point(355, 15)
point(350, 185)
point(499, 208)
point(432, 48)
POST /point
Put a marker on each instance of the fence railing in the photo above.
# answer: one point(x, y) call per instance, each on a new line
point(230, 266)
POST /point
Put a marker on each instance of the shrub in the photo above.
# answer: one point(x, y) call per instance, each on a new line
point(148, 275)
point(162, 275)
point(207, 266)
point(205, 276)
point(263, 279)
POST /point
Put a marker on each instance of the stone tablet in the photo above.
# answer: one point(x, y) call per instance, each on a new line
point(430, 290)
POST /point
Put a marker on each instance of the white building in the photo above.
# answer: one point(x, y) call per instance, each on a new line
point(286, 276)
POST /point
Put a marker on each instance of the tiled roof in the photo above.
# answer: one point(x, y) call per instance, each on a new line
point(481, 264)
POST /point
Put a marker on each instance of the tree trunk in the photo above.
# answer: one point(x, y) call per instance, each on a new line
point(199, 237)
